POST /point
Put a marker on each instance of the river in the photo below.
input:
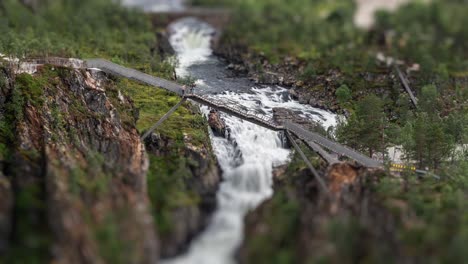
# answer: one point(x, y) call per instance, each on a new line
point(248, 157)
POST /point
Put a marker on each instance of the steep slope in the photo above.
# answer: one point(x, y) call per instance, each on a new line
point(74, 172)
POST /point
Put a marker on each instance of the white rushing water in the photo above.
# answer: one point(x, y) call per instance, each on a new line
point(247, 158)
point(156, 5)
point(191, 40)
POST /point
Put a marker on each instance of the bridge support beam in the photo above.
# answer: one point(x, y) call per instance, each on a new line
point(320, 181)
point(321, 152)
point(160, 121)
point(403, 79)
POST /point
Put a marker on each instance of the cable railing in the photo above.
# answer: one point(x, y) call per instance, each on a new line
point(228, 106)
point(238, 109)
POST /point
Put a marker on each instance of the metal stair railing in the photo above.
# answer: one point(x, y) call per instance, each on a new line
point(320, 181)
point(133, 74)
point(404, 80)
point(239, 109)
point(163, 118)
point(306, 135)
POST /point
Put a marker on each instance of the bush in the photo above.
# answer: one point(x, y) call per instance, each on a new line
point(343, 94)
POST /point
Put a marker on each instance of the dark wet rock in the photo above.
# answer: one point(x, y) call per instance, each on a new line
point(205, 175)
point(79, 170)
point(296, 222)
point(304, 98)
point(283, 114)
point(217, 124)
point(164, 46)
point(268, 78)
point(6, 206)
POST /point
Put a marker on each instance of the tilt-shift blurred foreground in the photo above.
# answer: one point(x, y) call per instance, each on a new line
point(233, 131)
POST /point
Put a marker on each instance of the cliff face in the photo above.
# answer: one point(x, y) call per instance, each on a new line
point(301, 225)
point(75, 171)
point(185, 212)
point(74, 174)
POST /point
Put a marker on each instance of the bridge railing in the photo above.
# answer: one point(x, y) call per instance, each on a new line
point(331, 145)
point(133, 74)
point(239, 109)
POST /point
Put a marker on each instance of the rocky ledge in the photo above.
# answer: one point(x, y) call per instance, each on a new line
point(202, 179)
point(75, 169)
point(300, 224)
point(217, 124)
point(73, 173)
point(308, 83)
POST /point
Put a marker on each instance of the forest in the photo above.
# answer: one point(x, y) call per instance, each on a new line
point(324, 60)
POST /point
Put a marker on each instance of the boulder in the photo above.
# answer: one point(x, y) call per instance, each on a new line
point(217, 124)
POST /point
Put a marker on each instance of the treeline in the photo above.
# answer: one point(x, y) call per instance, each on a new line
point(322, 35)
point(80, 29)
point(433, 214)
point(428, 136)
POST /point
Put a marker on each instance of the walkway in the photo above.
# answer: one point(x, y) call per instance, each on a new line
point(321, 152)
point(312, 139)
point(306, 135)
point(239, 111)
point(116, 69)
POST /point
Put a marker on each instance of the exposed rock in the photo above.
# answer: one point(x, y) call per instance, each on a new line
point(6, 206)
point(301, 223)
point(189, 220)
point(279, 172)
point(304, 98)
point(268, 77)
point(164, 47)
point(281, 115)
point(80, 173)
point(216, 123)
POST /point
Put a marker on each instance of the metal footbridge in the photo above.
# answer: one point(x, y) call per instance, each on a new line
point(313, 140)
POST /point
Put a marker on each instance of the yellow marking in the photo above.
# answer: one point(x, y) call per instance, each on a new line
point(401, 167)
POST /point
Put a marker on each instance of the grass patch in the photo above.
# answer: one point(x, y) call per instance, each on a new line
point(169, 174)
point(153, 103)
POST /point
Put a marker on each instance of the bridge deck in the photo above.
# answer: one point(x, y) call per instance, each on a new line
point(306, 135)
point(232, 109)
point(238, 111)
point(129, 73)
point(322, 153)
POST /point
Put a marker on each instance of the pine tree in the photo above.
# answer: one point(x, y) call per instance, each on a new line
point(365, 128)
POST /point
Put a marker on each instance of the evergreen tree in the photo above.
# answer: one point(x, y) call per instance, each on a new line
point(428, 138)
point(365, 128)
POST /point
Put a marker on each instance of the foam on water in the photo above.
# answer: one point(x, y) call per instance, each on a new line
point(191, 40)
point(247, 157)
point(265, 99)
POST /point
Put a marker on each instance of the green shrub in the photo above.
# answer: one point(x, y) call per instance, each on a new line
point(343, 94)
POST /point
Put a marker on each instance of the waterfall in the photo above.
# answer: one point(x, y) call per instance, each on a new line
point(247, 158)
point(191, 40)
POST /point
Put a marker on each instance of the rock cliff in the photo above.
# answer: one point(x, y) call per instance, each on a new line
point(73, 173)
